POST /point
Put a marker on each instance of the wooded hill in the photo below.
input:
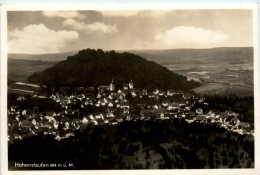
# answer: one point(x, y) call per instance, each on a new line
point(96, 67)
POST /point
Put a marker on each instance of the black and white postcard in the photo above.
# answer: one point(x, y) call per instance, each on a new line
point(107, 87)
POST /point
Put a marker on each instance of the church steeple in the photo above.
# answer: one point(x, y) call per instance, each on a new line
point(112, 85)
point(131, 84)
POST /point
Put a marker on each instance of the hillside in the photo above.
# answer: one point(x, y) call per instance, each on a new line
point(172, 144)
point(96, 67)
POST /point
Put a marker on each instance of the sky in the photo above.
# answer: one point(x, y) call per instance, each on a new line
point(40, 32)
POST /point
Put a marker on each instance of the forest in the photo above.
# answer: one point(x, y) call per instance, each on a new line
point(171, 144)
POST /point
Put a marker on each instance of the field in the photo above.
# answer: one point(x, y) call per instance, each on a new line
point(220, 70)
point(19, 70)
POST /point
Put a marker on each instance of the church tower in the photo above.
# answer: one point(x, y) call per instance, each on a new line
point(112, 86)
point(131, 84)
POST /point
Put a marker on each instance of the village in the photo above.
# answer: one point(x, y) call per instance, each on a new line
point(107, 105)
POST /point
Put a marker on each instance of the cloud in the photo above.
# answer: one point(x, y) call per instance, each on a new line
point(115, 13)
point(128, 13)
point(38, 39)
point(155, 13)
point(191, 37)
point(94, 27)
point(63, 14)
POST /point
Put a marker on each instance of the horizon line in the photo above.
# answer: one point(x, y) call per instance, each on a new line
point(130, 50)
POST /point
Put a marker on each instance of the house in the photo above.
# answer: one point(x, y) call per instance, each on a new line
point(161, 93)
point(131, 84)
point(25, 124)
point(161, 116)
point(231, 112)
point(211, 113)
point(75, 121)
point(156, 106)
point(34, 122)
point(188, 107)
point(110, 104)
point(120, 120)
point(110, 115)
point(122, 91)
point(113, 121)
point(89, 89)
point(179, 92)
point(119, 97)
point(234, 121)
point(161, 110)
point(50, 114)
point(128, 118)
point(102, 102)
point(99, 95)
point(165, 103)
point(68, 111)
point(61, 113)
point(84, 120)
point(187, 96)
point(126, 111)
point(134, 92)
point(14, 108)
point(173, 106)
point(189, 116)
point(24, 112)
point(199, 111)
point(125, 105)
point(17, 136)
point(155, 91)
point(218, 124)
point(151, 95)
point(145, 112)
point(28, 117)
point(50, 118)
point(67, 125)
point(182, 104)
point(201, 100)
point(44, 125)
point(100, 121)
point(144, 92)
point(83, 126)
point(110, 97)
point(244, 125)
point(100, 116)
point(225, 116)
point(103, 88)
point(125, 86)
point(56, 124)
point(170, 92)
point(200, 118)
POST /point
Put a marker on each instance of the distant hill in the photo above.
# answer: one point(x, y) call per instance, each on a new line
point(43, 57)
point(159, 56)
point(220, 54)
point(96, 67)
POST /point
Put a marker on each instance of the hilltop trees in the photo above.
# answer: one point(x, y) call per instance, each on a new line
point(96, 67)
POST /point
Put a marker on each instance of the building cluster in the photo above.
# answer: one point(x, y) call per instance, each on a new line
point(108, 106)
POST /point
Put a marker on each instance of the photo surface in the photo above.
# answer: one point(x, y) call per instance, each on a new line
point(130, 89)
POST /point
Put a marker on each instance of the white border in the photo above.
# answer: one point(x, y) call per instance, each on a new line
point(124, 6)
